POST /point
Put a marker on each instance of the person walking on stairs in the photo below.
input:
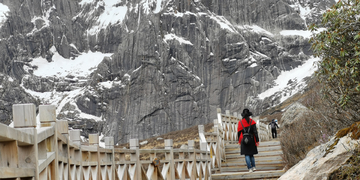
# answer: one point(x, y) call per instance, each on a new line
point(248, 139)
point(273, 126)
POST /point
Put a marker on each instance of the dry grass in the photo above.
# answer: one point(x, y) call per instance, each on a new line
point(350, 170)
point(312, 129)
point(354, 129)
point(300, 137)
point(179, 138)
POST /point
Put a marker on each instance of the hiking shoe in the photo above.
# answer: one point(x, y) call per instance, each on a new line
point(251, 170)
point(254, 169)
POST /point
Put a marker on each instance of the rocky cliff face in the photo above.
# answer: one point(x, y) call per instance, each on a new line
point(165, 64)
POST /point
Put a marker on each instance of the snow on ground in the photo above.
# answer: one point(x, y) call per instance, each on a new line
point(223, 22)
point(3, 13)
point(257, 29)
point(82, 65)
point(158, 6)
point(112, 14)
point(298, 74)
point(148, 5)
point(304, 11)
point(83, 2)
point(101, 143)
point(305, 34)
point(180, 39)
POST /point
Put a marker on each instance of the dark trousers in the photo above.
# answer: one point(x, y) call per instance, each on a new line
point(274, 133)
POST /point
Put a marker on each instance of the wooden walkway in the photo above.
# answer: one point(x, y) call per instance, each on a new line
point(50, 151)
point(269, 163)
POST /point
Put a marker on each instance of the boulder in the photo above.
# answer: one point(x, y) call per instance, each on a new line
point(323, 160)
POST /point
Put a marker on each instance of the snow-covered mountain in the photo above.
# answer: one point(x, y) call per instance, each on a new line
point(140, 68)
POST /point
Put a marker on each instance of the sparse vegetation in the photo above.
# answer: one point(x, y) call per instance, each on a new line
point(300, 137)
point(179, 138)
point(339, 68)
point(350, 170)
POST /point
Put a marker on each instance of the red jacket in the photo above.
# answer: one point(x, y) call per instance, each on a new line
point(246, 124)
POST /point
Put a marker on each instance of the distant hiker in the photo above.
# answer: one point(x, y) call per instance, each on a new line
point(248, 139)
point(273, 124)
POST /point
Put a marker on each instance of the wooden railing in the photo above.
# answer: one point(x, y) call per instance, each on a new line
point(225, 132)
point(229, 124)
point(49, 151)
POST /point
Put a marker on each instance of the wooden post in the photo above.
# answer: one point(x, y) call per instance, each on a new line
point(24, 117)
point(109, 144)
point(204, 157)
point(75, 136)
point(219, 116)
point(201, 133)
point(134, 144)
point(227, 112)
point(169, 145)
point(191, 166)
point(94, 141)
point(218, 142)
point(47, 115)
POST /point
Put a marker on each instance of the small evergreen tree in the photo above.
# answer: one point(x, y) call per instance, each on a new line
point(338, 47)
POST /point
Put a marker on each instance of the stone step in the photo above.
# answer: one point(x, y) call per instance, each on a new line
point(264, 153)
point(266, 148)
point(239, 163)
point(241, 167)
point(260, 153)
point(248, 175)
point(262, 144)
point(241, 158)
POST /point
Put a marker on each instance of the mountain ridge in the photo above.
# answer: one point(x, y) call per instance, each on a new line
point(163, 65)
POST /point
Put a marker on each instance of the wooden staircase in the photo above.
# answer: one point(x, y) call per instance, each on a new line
point(269, 163)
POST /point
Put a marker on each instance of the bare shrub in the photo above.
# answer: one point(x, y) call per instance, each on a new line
point(301, 136)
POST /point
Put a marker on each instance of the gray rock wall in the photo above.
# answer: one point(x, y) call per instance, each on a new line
point(170, 70)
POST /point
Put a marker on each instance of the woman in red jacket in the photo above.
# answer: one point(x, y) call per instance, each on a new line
point(247, 125)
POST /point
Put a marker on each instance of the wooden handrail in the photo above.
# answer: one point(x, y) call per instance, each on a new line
point(51, 151)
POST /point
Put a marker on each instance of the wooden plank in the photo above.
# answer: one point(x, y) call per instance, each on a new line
point(262, 144)
point(43, 163)
point(242, 158)
point(236, 163)
point(11, 134)
point(16, 172)
point(44, 133)
point(89, 148)
point(259, 167)
point(268, 153)
point(247, 175)
point(9, 154)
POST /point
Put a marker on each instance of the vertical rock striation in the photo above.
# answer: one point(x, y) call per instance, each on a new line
point(173, 61)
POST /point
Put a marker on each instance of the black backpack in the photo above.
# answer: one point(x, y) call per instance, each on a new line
point(273, 125)
point(247, 138)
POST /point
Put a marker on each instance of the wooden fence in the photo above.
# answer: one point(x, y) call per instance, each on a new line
point(225, 132)
point(50, 151)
